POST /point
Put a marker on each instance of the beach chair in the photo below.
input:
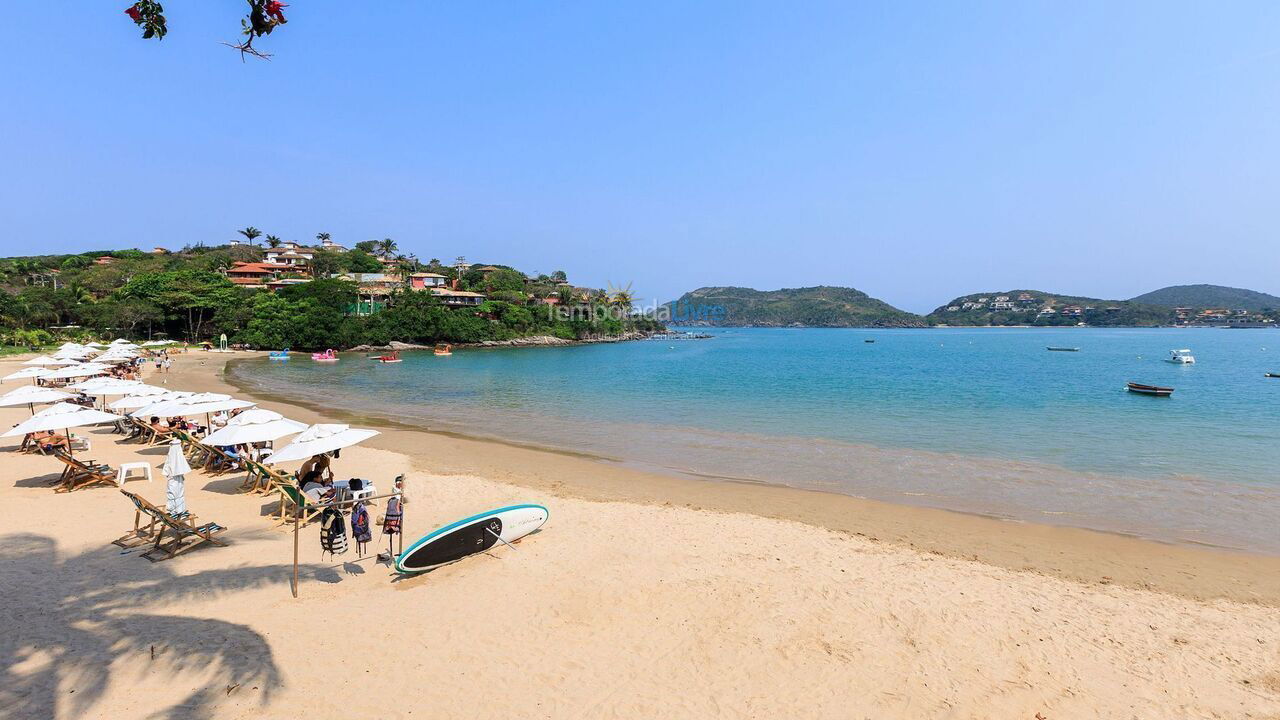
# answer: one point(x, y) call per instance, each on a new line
point(140, 431)
point(79, 474)
point(263, 480)
point(139, 535)
point(295, 506)
point(183, 531)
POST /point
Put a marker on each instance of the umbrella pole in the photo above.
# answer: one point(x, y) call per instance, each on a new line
point(297, 520)
point(70, 450)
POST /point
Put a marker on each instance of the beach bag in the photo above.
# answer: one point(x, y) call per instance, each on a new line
point(333, 532)
point(360, 530)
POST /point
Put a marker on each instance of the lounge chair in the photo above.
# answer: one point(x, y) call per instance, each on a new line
point(262, 480)
point(139, 535)
point(183, 532)
point(79, 474)
point(295, 506)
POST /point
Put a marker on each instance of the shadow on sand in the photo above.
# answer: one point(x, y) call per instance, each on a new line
point(65, 627)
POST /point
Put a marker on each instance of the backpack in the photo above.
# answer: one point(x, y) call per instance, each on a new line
point(360, 531)
point(333, 532)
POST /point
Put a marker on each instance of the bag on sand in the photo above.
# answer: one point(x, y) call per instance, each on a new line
point(333, 532)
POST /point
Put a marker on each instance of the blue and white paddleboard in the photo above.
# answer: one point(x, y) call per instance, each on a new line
point(471, 535)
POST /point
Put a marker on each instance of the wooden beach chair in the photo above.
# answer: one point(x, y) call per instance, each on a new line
point(79, 474)
point(139, 535)
point(295, 506)
point(183, 531)
point(263, 480)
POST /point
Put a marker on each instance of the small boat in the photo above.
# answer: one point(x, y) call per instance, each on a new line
point(394, 357)
point(279, 354)
point(1274, 375)
point(1181, 357)
point(326, 356)
point(443, 349)
point(1062, 349)
point(868, 341)
point(1155, 390)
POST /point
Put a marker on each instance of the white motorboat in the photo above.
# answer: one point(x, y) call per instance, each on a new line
point(1181, 357)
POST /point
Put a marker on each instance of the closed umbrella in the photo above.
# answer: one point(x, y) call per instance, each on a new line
point(175, 468)
point(319, 439)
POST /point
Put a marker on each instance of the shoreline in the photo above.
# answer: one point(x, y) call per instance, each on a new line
point(1187, 569)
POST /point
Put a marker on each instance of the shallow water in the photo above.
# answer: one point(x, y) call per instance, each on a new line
point(981, 420)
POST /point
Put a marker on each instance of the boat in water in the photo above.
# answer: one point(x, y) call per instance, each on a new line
point(1062, 349)
point(279, 354)
point(1274, 375)
point(326, 356)
point(1155, 390)
point(1181, 357)
point(393, 357)
point(443, 349)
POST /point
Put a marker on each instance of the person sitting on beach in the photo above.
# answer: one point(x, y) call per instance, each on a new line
point(49, 441)
point(318, 490)
point(316, 467)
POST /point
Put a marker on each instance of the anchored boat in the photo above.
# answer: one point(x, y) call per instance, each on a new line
point(1155, 390)
point(1062, 349)
point(1181, 357)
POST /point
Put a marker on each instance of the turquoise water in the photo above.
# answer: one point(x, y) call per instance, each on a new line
point(983, 420)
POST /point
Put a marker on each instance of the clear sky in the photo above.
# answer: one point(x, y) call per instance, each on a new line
point(915, 151)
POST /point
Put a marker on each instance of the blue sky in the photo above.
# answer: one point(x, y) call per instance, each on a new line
point(915, 151)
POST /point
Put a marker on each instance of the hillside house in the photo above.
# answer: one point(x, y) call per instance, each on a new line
point(457, 298)
point(1025, 298)
point(295, 257)
point(254, 275)
point(426, 281)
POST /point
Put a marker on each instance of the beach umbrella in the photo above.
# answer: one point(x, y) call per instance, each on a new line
point(254, 416)
point(186, 407)
point(33, 395)
point(254, 432)
point(175, 468)
point(165, 408)
point(319, 439)
point(43, 360)
point(69, 416)
point(31, 372)
point(157, 343)
point(94, 345)
point(120, 341)
point(75, 371)
point(138, 401)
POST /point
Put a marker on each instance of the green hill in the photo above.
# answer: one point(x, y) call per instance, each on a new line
point(1210, 296)
point(1036, 307)
point(822, 306)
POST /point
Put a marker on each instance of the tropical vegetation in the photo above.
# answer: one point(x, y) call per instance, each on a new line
point(186, 295)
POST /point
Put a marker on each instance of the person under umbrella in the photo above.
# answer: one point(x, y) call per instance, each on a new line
point(175, 468)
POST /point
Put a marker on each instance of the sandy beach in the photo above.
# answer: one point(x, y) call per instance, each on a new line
point(644, 596)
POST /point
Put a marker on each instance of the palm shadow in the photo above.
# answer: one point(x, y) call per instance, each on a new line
point(67, 628)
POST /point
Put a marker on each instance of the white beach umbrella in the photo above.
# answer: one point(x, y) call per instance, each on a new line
point(31, 372)
point(33, 395)
point(319, 439)
point(43, 360)
point(157, 343)
point(255, 432)
point(94, 345)
point(75, 371)
point(137, 401)
point(255, 416)
point(104, 383)
point(59, 409)
point(165, 407)
point(71, 416)
point(120, 341)
point(186, 407)
point(175, 468)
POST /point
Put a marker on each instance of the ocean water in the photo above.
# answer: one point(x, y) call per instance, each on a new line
point(980, 420)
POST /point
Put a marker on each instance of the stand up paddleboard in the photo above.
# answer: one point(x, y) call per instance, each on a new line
point(471, 535)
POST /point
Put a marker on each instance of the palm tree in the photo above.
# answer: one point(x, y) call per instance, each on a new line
point(86, 625)
point(386, 246)
point(322, 238)
point(273, 241)
point(251, 234)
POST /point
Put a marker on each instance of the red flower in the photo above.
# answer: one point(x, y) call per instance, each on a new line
point(275, 8)
point(132, 11)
